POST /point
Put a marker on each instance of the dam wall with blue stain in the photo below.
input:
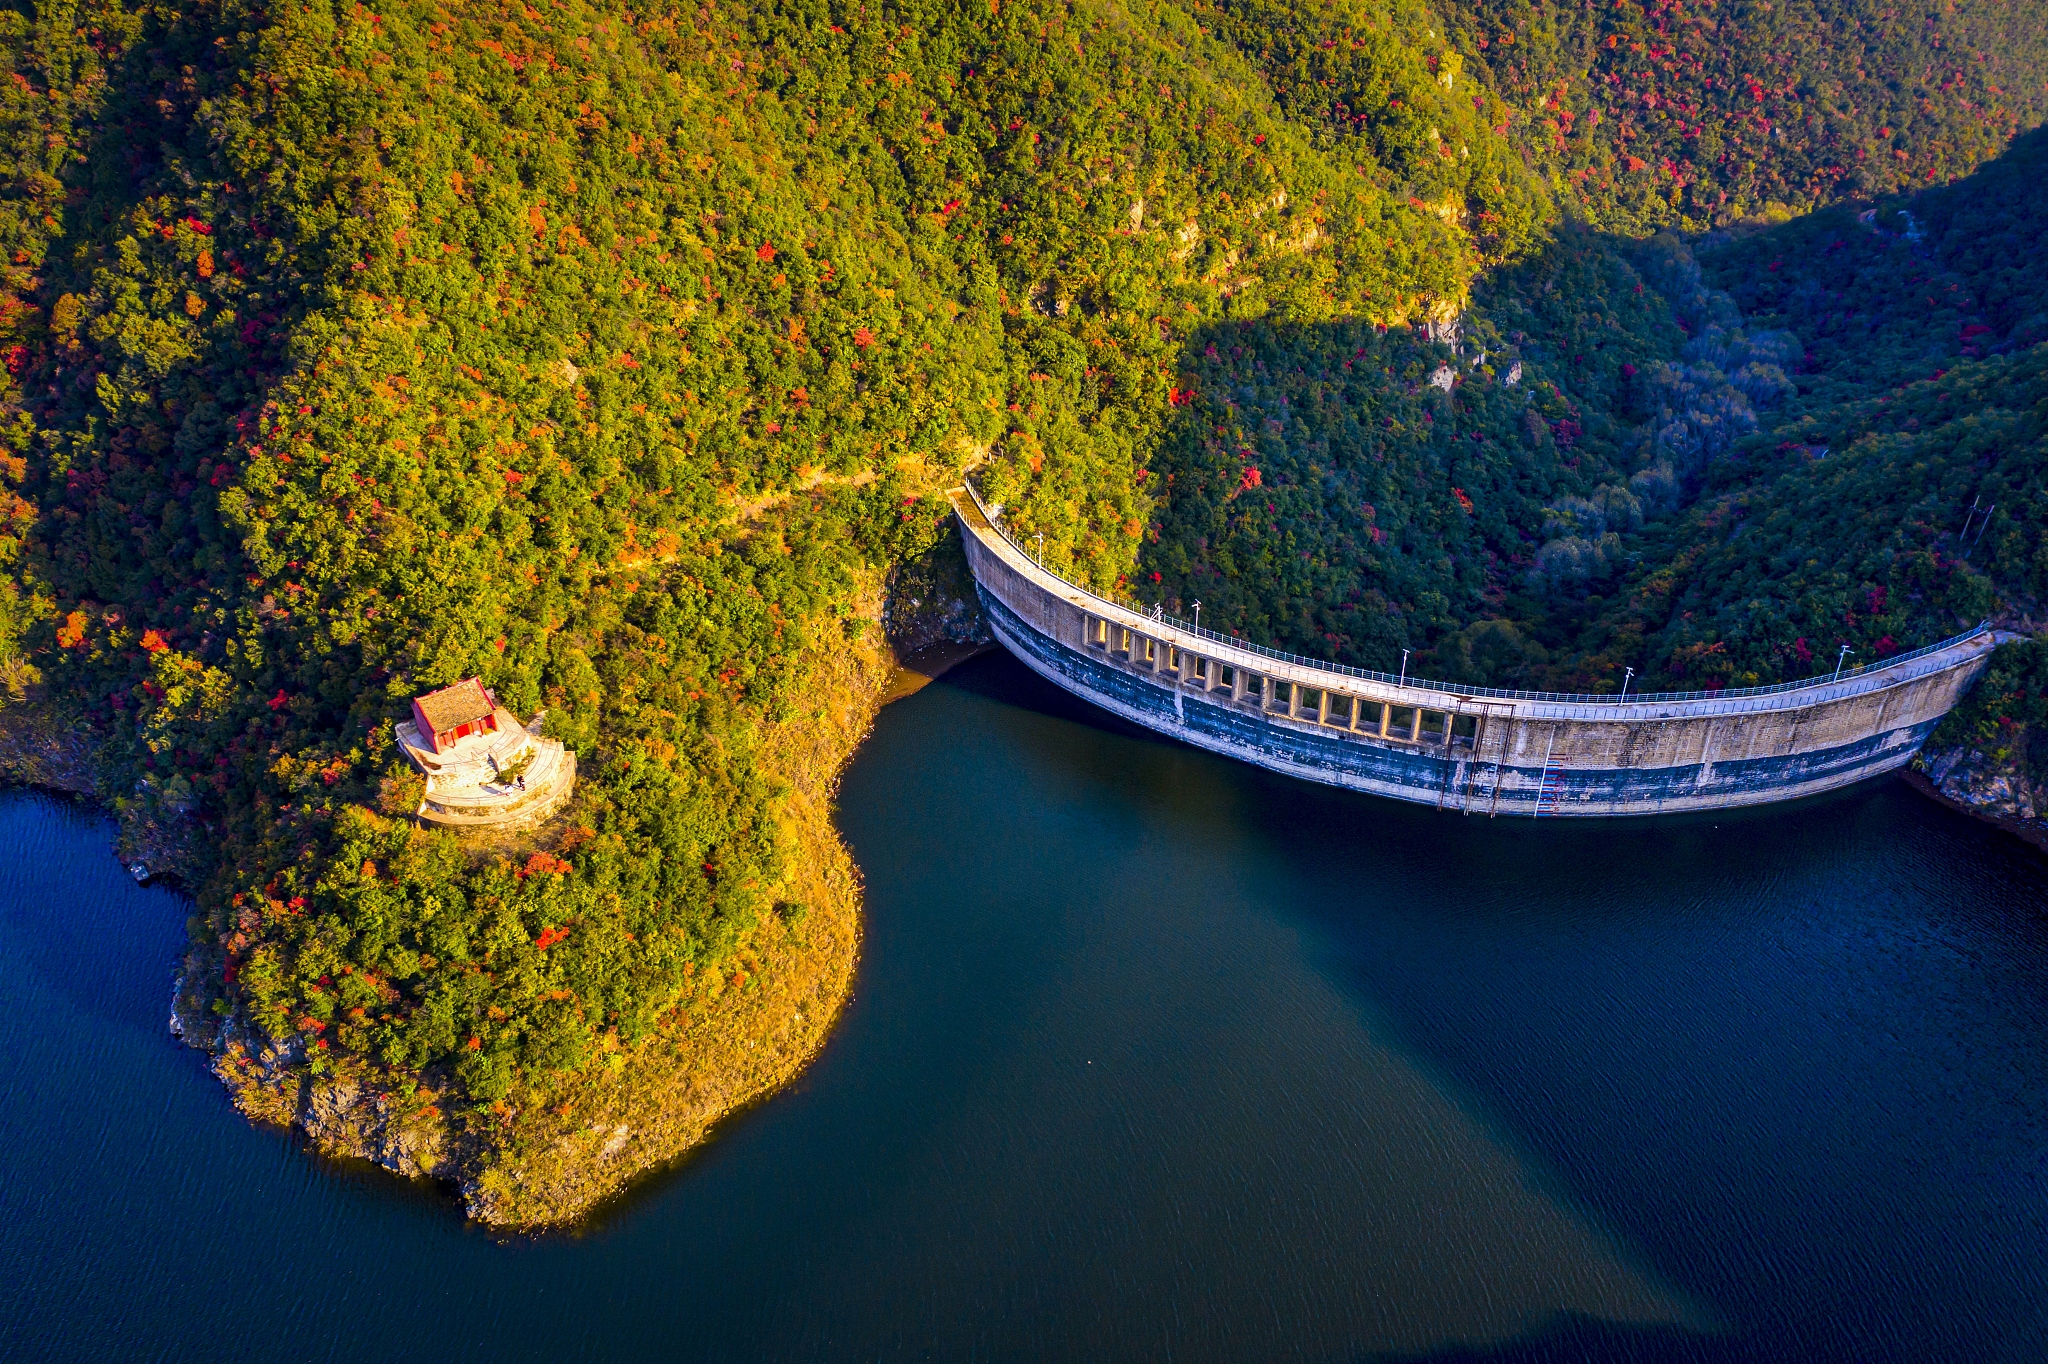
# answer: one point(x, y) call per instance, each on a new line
point(1470, 749)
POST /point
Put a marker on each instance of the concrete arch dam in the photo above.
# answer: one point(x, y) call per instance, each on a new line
point(1473, 749)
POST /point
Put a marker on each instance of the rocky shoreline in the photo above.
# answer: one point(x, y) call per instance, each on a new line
point(1971, 782)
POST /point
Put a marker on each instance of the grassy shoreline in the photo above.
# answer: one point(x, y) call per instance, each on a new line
point(740, 1034)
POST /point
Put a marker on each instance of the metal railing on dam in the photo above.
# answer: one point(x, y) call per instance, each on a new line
point(1157, 615)
point(1421, 739)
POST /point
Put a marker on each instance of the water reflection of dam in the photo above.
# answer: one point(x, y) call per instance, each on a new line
point(1473, 749)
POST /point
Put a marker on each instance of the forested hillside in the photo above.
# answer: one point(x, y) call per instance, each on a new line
point(1656, 113)
point(621, 358)
point(614, 358)
point(1327, 496)
point(1724, 460)
point(1903, 489)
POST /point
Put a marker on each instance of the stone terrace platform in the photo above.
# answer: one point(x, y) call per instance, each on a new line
point(491, 780)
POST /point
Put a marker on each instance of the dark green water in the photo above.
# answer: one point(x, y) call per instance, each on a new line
point(1154, 1056)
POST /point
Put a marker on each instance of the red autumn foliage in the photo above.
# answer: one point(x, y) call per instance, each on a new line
point(543, 864)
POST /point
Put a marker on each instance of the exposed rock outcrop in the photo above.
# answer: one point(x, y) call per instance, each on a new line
point(1985, 783)
point(1989, 758)
point(931, 601)
point(38, 749)
point(351, 1110)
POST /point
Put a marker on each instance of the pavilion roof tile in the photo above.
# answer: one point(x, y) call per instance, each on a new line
point(457, 705)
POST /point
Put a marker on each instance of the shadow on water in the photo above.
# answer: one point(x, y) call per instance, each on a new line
point(1153, 1055)
point(1734, 1040)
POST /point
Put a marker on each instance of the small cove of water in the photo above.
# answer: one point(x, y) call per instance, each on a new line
point(1156, 1056)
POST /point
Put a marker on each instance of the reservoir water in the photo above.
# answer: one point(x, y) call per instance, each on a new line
point(1155, 1056)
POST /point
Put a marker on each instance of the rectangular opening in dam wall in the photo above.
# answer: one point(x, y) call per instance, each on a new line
point(1318, 706)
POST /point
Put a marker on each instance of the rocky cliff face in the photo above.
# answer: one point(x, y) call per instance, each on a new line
point(1995, 783)
point(1990, 756)
point(399, 1122)
point(1985, 782)
point(37, 748)
point(931, 601)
